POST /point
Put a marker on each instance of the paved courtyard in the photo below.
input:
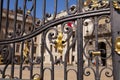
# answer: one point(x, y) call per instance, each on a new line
point(59, 73)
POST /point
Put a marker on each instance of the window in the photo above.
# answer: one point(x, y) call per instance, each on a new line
point(51, 48)
point(73, 58)
point(17, 48)
point(30, 28)
point(73, 47)
point(55, 49)
point(35, 39)
point(34, 50)
point(55, 58)
point(19, 26)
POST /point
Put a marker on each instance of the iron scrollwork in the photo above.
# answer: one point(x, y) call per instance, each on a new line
point(103, 27)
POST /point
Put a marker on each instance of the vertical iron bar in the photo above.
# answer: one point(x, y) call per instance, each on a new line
point(32, 47)
point(42, 57)
point(44, 11)
point(1, 9)
point(54, 16)
point(55, 9)
point(67, 9)
point(65, 62)
point(34, 16)
point(7, 19)
point(113, 42)
point(31, 64)
point(96, 33)
point(21, 59)
point(79, 43)
point(34, 11)
point(42, 41)
point(13, 54)
point(97, 75)
point(12, 63)
point(22, 45)
point(24, 18)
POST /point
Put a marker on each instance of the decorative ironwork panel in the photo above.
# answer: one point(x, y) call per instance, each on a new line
point(39, 41)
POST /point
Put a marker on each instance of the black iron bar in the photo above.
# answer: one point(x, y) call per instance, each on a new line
point(67, 6)
point(55, 9)
point(1, 9)
point(21, 59)
point(7, 19)
point(22, 44)
point(14, 35)
point(34, 13)
point(42, 40)
point(32, 55)
point(24, 17)
point(79, 43)
point(97, 75)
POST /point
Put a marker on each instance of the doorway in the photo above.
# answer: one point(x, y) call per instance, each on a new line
point(102, 49)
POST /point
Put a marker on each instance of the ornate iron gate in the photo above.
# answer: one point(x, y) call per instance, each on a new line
point(77, 41)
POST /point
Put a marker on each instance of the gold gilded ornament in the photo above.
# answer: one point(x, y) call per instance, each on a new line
point(26, 50)
point(117, 45)
point(95, 3)
point(38, 78)
point(28, 12)
point(59, 43)
point(116, 5)
point(96, 53)
point(87, 2)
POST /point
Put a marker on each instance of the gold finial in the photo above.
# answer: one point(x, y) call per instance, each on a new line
point(28, 12)
point(59, 42)
point(87, 2)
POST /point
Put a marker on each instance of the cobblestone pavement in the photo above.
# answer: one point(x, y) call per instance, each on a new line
point(59, 73)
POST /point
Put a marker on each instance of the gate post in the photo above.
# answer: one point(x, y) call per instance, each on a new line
point(115, 23)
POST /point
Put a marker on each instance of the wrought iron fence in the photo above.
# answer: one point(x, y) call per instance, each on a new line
point(79, 36)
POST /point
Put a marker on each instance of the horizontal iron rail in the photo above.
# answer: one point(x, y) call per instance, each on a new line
point(51, 23)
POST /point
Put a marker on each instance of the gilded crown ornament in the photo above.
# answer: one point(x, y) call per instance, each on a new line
point(116, 5)
point(92, 4)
